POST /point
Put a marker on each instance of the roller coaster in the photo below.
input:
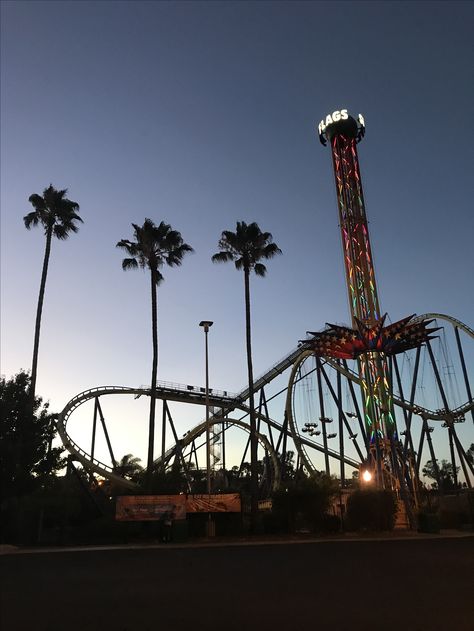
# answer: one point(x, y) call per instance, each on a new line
point(325, 390)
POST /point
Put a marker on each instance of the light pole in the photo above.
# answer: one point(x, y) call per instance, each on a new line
point(206, 324)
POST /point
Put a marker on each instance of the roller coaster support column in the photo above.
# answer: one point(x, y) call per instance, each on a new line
point(464, 371)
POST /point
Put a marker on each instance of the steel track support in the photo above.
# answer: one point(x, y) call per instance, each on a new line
point(408, 437)
point(394, 368)
point(357, 410)
point(163, 432)
point(223, 439)
point(244, 455)
point(338, 401)
point(322, 413)
point(432, 454)
point(462, 458)
point(453, 458)
point(106, 433)
point(341, 437)
point(94, 428)
point(420, 450)
point(464, 371)
point(179, 451)
point(267, 416)
point(446, 407)
point(282, 442)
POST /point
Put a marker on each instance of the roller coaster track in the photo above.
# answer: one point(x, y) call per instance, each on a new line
point(228, 402)
point(164, 390)
point(173, 393)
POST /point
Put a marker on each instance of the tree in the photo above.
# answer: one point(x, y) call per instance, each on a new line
point(129, 467)
point(246, 248)
point(58, 216)
point(154, 247)
point(26, 455)
point(287, 465)
point(442, 474)
point(470, 454)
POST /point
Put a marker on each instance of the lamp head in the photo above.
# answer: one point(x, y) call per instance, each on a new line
point(206, 324)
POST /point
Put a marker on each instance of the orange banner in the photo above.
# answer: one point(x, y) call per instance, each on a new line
point(150, 507)
point(225, 503)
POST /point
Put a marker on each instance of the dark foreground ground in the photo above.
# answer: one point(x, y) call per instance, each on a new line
point(375, 585)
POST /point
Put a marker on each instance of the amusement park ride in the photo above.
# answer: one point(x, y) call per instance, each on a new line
point(374, 378)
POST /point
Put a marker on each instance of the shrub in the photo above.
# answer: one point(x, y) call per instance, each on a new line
point(371, 510)
point(303, 504)
point(331, 524)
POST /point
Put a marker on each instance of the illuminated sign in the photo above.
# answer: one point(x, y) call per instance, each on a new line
point(332, 118)
point(336, 117)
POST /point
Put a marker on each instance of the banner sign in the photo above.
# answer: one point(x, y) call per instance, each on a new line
point(154, 507)
point(150, 507)
point(225, 503)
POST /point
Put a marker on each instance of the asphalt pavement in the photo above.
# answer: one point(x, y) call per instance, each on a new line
point(380, 585)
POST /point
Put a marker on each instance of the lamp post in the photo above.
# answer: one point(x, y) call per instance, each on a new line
point(206, 324)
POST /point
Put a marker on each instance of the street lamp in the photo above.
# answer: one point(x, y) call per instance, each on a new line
point(206, 324)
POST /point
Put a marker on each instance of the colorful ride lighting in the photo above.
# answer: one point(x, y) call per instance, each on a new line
point(343, 342)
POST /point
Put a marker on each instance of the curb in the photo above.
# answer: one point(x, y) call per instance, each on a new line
point(208, 543)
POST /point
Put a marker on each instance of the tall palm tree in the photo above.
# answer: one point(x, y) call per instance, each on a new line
point(246, 247)
point(154, 246)
point(58, 216)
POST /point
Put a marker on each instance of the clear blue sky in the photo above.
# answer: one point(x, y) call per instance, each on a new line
point(201, 114)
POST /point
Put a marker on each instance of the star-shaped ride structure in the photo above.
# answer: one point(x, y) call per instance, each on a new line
point(342, 342)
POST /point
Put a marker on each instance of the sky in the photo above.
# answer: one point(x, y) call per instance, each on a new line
point(201, 114)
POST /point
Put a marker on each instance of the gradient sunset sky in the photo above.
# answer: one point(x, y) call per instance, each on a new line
point(204, 113)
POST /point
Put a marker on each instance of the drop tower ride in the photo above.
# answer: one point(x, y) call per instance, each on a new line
point(343, 132)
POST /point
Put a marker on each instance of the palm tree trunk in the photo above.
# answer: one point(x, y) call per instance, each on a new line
point(253, 425)
point(39, 310)
point(154, 370)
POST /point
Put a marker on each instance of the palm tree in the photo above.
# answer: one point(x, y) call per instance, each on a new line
point(154, 246)
point(129, 467)
point(246, 247)
point(58, 216)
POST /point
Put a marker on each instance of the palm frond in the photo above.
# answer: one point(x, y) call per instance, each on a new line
point(129, 264)
point(176, 254)
point(260, 269)
point(240, 263)
point(129, 247)
point(270, 250)
point(31, 219)
point(37, 202)
point(222, 257)
point(61, 231)
point(159, 278)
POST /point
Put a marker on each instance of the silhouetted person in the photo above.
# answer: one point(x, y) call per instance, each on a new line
point(167, 526)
